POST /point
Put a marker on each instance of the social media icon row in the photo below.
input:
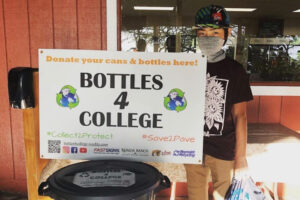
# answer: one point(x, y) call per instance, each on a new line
point(74, 150)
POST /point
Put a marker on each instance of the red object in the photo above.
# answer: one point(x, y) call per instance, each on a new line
point(217, 16)
point(26, 26)
point(66, 149)
point(83, 150)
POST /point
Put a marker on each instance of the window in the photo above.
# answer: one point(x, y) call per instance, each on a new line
point(265, 40)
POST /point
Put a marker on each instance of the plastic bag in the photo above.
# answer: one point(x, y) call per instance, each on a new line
point(244, 189)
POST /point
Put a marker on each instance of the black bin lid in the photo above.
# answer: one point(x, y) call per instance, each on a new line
point(105, 180)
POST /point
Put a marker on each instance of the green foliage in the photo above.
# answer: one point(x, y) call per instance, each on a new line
point(275, 64)
point(281, 68)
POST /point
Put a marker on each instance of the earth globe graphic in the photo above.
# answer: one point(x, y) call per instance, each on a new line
point(67, 97)
point(175, 101)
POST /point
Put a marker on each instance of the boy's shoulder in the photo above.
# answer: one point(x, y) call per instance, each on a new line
point(234, 65)
point(232, 62)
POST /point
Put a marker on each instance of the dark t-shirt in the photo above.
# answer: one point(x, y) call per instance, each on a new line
point(227, 84)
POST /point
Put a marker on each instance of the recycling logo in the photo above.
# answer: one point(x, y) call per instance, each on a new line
point(67, 97)
point(175, 101)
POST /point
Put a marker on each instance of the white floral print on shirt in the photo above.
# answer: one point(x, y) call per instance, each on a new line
point(215, 98)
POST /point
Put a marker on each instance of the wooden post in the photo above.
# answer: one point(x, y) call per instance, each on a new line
point(156, 34)
point(34, 164)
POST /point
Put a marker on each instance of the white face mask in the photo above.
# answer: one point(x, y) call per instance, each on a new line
point(210, 45)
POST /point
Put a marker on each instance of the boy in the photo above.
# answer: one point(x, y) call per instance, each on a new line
point(227, 93)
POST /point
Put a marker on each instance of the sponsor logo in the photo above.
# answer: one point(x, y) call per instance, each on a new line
point(83, 150)
point(66, 149)
point(99, 150)
point(111, 150)
point(134, 152)
point(183, 153)
point(74, 150)
point(166, 153)
point(157, 152)
point(127, 150)
point(106, 151)
point(142, 152)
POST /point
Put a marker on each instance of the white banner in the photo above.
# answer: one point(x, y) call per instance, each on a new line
point(121, 105)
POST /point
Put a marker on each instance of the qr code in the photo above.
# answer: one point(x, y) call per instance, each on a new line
point(54, 146)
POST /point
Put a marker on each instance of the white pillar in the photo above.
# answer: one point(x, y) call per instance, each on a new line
point(112, 24)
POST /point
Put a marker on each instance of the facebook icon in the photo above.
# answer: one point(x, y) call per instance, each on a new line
point(74, 150)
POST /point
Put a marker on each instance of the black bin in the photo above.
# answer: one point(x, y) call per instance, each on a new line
point(105, 180)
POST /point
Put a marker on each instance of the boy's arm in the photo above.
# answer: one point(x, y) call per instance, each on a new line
point(239, 113)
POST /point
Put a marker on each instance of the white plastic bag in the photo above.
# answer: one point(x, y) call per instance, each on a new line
point(244, 189)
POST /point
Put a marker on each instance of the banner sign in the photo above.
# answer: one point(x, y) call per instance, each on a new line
point(121, 105)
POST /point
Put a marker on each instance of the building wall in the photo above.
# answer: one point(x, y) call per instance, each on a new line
point(268, 109)
point(26, 26)
point(291, 27)
point(275, 109)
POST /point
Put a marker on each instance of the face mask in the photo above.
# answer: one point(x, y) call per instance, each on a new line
point(209, 45)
